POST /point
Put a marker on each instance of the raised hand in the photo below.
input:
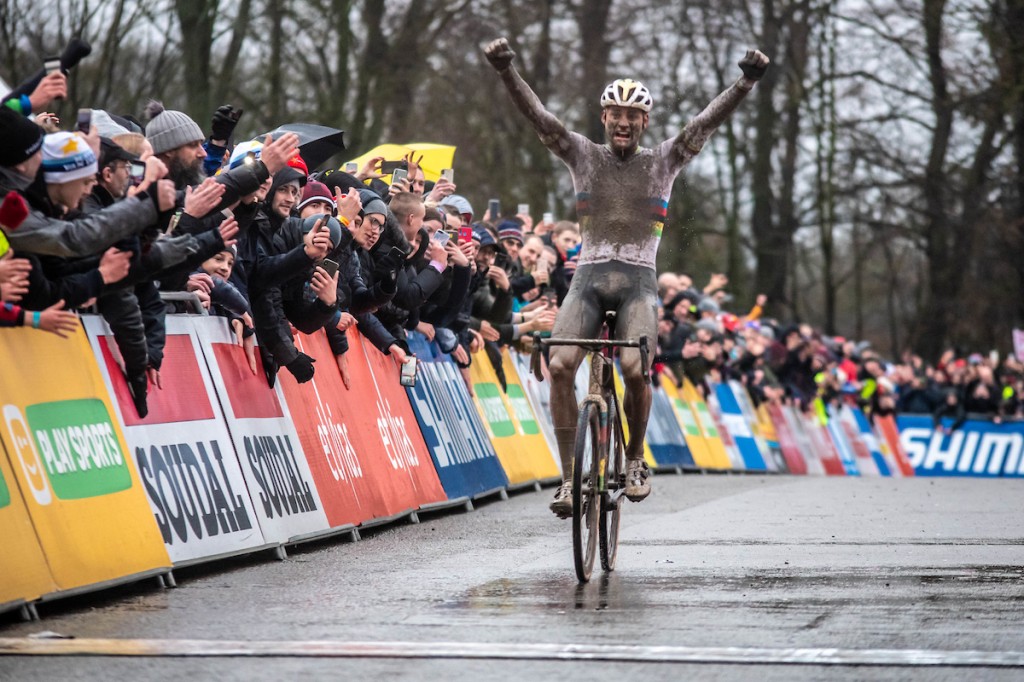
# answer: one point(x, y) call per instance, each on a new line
point(324, 286)
point(276, 153)
point(754, 64)
point(499, 54)
point(52, 86)
point(203, 198)
point(349, 204)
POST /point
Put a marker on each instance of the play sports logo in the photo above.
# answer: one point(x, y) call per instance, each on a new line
point(67, 449)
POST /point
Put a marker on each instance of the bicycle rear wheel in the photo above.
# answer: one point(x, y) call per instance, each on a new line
point(585, 504)
point(613, 483)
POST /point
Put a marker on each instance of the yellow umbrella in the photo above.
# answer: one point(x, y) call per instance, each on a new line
point(436, 157)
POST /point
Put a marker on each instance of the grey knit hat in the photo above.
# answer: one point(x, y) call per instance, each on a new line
point(168, 129)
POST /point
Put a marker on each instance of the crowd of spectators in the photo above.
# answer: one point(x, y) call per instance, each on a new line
point(117, 215)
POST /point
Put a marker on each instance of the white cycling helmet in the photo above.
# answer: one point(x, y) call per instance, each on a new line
point(627, 92)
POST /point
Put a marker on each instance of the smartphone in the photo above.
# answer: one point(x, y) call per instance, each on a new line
point(408, 375)
point(51, 64)
point(84, 121)
point(388, 167)
point(501, 260)
point(351, 167)
point(138, 171)
point(549, 217)
point(493, 209)
point(449, 175)
point(441, 237)
point(465, 234)
point(227, 213)
point(397, 252)
point(330, 266)
point(398, 175)
point(523, 209)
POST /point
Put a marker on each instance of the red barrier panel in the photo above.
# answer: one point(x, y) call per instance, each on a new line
point(363, 445)
point(787, 441)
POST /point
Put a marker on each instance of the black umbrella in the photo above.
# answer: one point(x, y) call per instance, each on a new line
point(316, 143)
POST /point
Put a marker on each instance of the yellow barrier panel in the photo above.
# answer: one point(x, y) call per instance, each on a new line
point(24, 575)
point(688, 423)
point(71, 463)
point(511, 425)
point(620, 393)
point(718, 456)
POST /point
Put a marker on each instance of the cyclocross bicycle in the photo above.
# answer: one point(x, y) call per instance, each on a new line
point(598, 463)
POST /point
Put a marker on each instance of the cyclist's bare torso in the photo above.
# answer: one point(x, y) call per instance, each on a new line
point(622, 194)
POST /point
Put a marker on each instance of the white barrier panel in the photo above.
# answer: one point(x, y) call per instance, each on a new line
point(273, 463)
point(183, 451)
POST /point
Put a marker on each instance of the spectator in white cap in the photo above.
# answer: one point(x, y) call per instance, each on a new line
point(177, 141)
point(69, 168)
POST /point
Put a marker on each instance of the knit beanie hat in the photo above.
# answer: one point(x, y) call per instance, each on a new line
point(510, 229)
point(169, 129)
point(460, 203)
point(67, 157)
point(315, 191)
point(20, 138)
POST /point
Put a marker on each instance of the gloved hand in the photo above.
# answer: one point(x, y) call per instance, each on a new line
point(301, 368)
point(754, 64)
point(224, 121)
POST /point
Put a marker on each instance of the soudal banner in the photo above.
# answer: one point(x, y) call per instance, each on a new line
point(870, 459)
point(185, 456)
point(772, 458)
point(464, 458)
point(69, 467)
point(977, 448)
point(274, 465)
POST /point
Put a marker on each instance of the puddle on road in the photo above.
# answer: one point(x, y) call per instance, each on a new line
point(773, 590)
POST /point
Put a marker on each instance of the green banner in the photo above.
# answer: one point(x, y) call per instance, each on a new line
point(495, 412)
point(79, 448)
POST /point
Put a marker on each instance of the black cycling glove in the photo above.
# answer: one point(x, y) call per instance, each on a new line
point(301, 368)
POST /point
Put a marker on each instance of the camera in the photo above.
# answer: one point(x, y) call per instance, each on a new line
point(389, 167)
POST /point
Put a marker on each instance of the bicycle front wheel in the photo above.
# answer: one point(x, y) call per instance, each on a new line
point(585, 503)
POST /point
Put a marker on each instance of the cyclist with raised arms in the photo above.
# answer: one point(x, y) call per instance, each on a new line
point(622, 193)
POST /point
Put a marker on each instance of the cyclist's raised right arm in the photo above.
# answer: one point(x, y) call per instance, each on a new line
point(552, 132)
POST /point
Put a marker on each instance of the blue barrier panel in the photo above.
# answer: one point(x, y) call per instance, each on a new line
point(843, 447)
point(867, 434)
point(739, 429)
point(466, 462)
point(668, 445)
point(977, 448)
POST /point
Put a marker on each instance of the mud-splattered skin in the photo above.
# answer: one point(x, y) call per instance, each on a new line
point(621, 201)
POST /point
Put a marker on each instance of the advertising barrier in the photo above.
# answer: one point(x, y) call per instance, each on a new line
point(464, 458)
point(787, 439)
point(538, 394)
point(844, 447)
point(520, 446)
point(182, 448)
point(865, 446)
point(699, 409)
point(70, 462)
point(688, 426)
point(890, 440)
point(728, 441)
point(273, 463)
point(24, 575)
point(620, 391)
point(977, 448)
point(360, 442)
point(821, 444)
point(664, 435)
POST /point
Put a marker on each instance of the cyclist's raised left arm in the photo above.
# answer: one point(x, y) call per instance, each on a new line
point(693, 136)
point(552, 132)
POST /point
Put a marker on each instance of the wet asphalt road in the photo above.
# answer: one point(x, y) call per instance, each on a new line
point(708, 561)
